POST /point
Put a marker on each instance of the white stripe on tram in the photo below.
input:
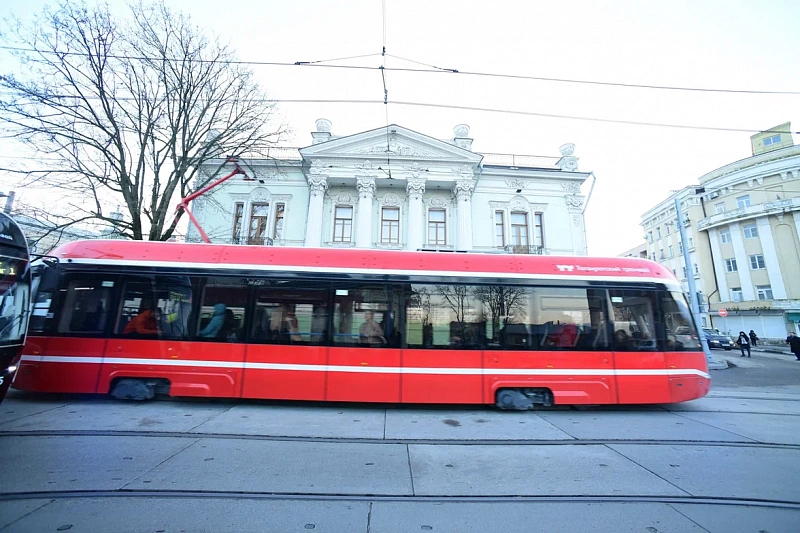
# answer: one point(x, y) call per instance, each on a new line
point(375, 271)
point(372, 369)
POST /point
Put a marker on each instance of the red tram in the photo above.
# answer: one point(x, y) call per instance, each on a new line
point(134, 319)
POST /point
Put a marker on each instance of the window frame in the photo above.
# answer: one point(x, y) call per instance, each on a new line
point(436, 223)
point(743, 202)
point(279, 221)
point(513, 237)
point(758, 259)
point(730, 265)
point(501, 226)
point(766, 291)
point(725, 236)
point(750, 231)
point(263, 223)
point(396, 223)
point(736, 294)
point(538, 229)
point(238, 216)
point(336, 220)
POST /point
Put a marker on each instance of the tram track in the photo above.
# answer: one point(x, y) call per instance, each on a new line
point(435, 498)
point(367, 440)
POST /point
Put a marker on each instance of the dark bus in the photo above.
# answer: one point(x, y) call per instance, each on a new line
point(15, 290)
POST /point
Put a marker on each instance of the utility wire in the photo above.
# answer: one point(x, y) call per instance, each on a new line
point(433, 70)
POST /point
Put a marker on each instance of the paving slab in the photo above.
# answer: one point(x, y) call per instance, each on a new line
point(200, 515)
point(112, 415)
point(491, 470)
point(14, 409)
point(397, 517)
point(738, 405)
point(283, 467)
point(774, 429)
point(775, 393)
point(11, 511)
point(298, 421)
point(470, 425)
point(632, 425)
point(719, 471)
point(730, 519)
point(80, 463)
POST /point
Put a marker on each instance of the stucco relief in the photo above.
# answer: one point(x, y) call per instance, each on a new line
point(394, 147)
point(517, 183)
point(465, 172)
point(259, 195)
point(518, 204)
point(317, 185)
point(344, 198)
point(576, 220)
point(574, 202)
point(366, 187)
point(570, 186)
point(415, 188)
point(317, 167)
point(463, 190)
point(365, 167)
point(415, 169)
point(390, 199)
point(438, 201)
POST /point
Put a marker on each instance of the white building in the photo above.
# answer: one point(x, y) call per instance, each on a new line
point(398, 189)
point(743, 229)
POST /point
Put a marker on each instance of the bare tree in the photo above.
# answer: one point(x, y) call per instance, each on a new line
point(456, 298)
point(125, 111)
point(504, 302)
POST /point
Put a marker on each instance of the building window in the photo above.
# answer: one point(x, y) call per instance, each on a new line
point(750, 231)
point(658, 232)
point(769, 141)
point(650, 237)
point(671, 252)
point(666, 229)
point(390, 225)
point(743, 201)
point(343, 223)
point(538, 229)
point(725, 236)
point(736, 294)
point(238, 213)
point(680, 247)
point(661, 255)
point(757, 262)
point(730, 265)
point(437, 227)
point(519, 229)
point(691, 243)
point(764, 292)
point(259, 221)
point(720, 207)
point(696, 270)
point(499, 229)
point(277, 232)
point(684, 272)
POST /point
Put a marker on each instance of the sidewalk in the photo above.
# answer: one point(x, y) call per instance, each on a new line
point(734, 357)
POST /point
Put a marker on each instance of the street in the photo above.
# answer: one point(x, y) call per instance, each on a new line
point(726, 463)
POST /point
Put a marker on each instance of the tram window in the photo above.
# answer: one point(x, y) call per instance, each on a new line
point(86, 306)
point(222, 312)
point(158, 307)
point(286, 313)
point(679, 332)
point(444, 317)
point(173, 296)
point(634, 320)
point(365, 315)
point(545, 318)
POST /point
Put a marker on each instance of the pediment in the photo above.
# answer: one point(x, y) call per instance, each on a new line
point(395, 142)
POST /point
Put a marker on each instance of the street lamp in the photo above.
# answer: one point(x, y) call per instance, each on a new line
point(690, 277)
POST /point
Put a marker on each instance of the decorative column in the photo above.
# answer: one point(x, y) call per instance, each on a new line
point(366, 195)
point(719, 266)
point(463, 191)
point(771, 258)
point(416, 215)
point(317, 184)
point(742, 262)
point(578, 229)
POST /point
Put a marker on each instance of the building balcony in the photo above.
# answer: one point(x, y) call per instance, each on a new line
point(531, 249)
point(250, 241)
point(753, 211)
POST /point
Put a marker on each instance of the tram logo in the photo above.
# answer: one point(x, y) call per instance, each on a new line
point(565, 268)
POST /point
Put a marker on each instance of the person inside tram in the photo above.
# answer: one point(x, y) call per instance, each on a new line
point(621, 339)
point(289, 325)
point(370, 332)
point(145, 323)
point(214, 326)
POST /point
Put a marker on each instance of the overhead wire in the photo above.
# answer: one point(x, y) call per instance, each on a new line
point(431, 70)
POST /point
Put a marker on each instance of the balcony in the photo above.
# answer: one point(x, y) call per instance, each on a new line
point(531, 249)
point(248, 241)
point(753, 211)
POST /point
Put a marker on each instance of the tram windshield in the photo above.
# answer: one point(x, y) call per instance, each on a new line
point(14, 300)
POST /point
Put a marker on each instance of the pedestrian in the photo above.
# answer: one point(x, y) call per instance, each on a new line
point(794, 344)
point(744, 343)
point(753, 338)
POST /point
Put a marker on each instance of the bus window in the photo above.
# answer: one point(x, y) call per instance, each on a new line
point(222, 311)
point(86, 306)
point(364, 315)
point(680, 333)
point(444, 316)
point(634, 320)
point(287, 314)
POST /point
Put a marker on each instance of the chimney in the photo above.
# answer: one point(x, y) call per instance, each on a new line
point(323, 133)
point(9, 202)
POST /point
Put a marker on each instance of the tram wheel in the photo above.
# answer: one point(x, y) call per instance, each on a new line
point(133, 389)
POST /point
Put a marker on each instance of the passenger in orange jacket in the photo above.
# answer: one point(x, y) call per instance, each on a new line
point(145, 323)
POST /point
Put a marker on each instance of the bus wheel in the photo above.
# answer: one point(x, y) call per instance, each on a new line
point(133, 389)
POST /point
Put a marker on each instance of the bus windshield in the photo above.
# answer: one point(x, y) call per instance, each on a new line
point(14, 300)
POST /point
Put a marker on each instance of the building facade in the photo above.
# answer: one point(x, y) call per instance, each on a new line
point(742, 222)
point(394, 188)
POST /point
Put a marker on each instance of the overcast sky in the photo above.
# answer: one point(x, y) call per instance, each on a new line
point(729, 44)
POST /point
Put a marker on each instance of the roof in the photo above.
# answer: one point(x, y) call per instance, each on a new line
point(351, 261)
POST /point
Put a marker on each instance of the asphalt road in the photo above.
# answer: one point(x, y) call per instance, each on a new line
point(726, 463)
